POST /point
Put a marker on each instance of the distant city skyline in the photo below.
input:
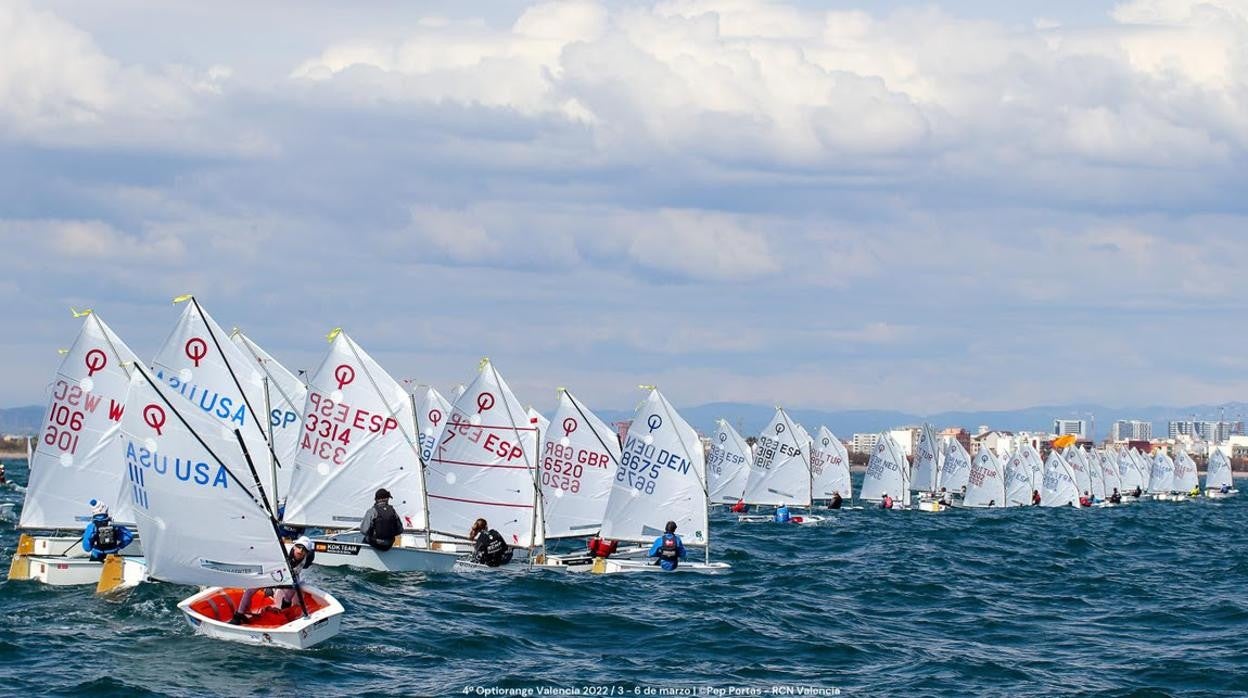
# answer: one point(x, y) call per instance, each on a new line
point(912, 206)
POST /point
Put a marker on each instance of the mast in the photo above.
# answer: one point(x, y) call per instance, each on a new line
point(420, 458)
point(268, 413)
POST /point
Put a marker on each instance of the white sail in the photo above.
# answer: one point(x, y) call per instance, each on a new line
point(1018, 479)
point(661, 478)
point(887, 472)
point(1185, 476)
point(198, 511)
point(1073, 455)
point(780, 472)
point(1144, 467)
point(432, 411)
point(485, 466)
point(926, 461)
point(1162, 477)
point(77, 456)
point(1095, 475)
point(1128, 476)
point(579, 456)
point(202, 366)
point(1109, 471)
point(986, 484)
point(359, 435)
point(286, 397)
point(1059, 488)
point(956, 469)
point(537, 420)
point(727, 465)
point(1218, 471)
point(1032, 458)
point(830, 462)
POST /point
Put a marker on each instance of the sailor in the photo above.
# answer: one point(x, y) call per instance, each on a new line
point(1195, 491)
point(992, 502)
point(102, 537)
point(668, 548)
point(1115, 498)
point(488, 546)
point(300, 558)
point(886, 502)
point(836, 501)
point(601, 547)
point(945, 498)
point(1035, 498)
point(963, 491)
point(782, 514)
point(1225, 488)
point(1137, 492)
point(740, 507)
point(2, 480)
point(1085, 500)
point(381, 523)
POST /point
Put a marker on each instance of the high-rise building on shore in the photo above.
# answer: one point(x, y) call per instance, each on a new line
point(1078, 427)
point(1132, 430)
point(864, 443)
point(1211, 431)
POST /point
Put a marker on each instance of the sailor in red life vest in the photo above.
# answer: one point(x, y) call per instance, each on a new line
point(599, 547)
point(668, 548)
point(739, 507)
point(1035, 498)
point(1085, 500)
point(886, 502)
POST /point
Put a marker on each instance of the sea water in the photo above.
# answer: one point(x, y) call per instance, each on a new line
point(1142, 599)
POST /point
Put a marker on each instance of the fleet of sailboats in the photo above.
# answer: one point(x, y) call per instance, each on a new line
point(214, 451)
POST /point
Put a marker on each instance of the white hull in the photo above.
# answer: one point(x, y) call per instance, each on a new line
point(1218, 494)
point(121, 573)
point(64, 571)
point(931, 505)
point(298, 633)
point(626, 566)
point(57, 560)
point(332, 552)
point(797, 519)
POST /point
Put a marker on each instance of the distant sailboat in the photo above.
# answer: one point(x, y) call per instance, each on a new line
point(986, 483)
point(956, 469)
point(1018, 480)
point(727, 465)
point(887, 473)
point(1161, 482)
point(830, 462)
point(926, 462)
point(1186, 481)
point(780, 473)
point(1059, 488)
point(1218, 475)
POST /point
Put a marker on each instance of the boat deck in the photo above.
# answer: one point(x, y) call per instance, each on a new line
point(264, 614)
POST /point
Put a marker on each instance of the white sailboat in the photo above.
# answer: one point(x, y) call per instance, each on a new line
point(1186, 481)
point(1217, 475)
point(727, 465)
point(284, 398)
point(986, 484)
point(956, 469)
point(485, 466)
point(1018, 480)
point(1059, 488)
point(1129, 476)
point(196, 494)
point(661, 478)
point(77, 459)
point(1144, 467)
point(1073, 456)
point(359, 435)
point(780, 473)
point(579, 458)
point(887, 473)
point(432, 411)
point(830, 462)
point(1161, 481)
point(1109, 472)
point(200, 364)
point(927, 463)
point(1032, 458)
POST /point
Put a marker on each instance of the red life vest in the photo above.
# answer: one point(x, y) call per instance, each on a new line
point(601, 548)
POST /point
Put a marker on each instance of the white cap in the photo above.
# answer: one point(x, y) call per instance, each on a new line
point(98, 508)
point(304, 542)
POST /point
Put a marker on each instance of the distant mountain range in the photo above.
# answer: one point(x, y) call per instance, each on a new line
point(750, 418)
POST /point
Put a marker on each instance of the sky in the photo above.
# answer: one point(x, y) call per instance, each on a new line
point(835, 205)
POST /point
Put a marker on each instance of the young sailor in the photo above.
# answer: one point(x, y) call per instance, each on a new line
point(1035, 498)
point(300, 558)
point(1085, 500)
point(740, 507)
point(102, 537)
point(381, 523)
point(836, 501)
point(945, 498)
point(668, 548)
point(782, 514)
point(886, 502)
point(488, 546)
point(1115, 498)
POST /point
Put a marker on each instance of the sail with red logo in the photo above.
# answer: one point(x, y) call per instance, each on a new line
point(485, 465)
point(577, 465)
point(203, 522)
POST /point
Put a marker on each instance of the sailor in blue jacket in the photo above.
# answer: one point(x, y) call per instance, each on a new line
point(102, 537)
point(668, 548)
point(782, 514)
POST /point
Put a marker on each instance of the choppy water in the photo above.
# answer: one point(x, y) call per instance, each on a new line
point(1146, 599)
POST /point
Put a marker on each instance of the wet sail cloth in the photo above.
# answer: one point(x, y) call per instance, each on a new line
point(727, 465)
point(359, 435)
point(203, 367)
point(662, 477)
point(284, 401)
point(77, 456)
point(830, 463)
point(198, 511)
point(780, 473)
point(485, 465)
point(578, 460)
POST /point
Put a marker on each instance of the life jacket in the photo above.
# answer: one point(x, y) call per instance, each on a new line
point(669, 551)
point(886, 503)
point(1085, 502)
point(105, 537)
point(497, 552)
point(386, 524)
point(739, 507)
point(836, 502)
point(782, 515)
point(601, 548)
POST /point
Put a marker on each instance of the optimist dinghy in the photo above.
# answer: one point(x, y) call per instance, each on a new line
point(77, 459)
point(1218, 475)
point(781, 474)
point(206, 525)
point(359, 436)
